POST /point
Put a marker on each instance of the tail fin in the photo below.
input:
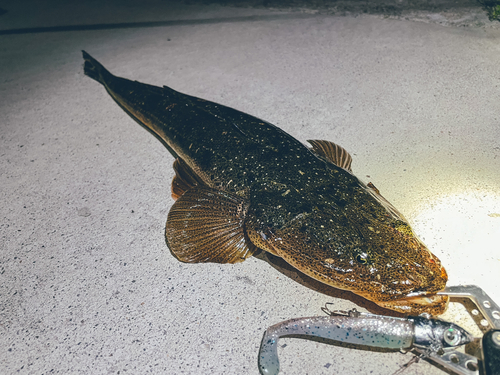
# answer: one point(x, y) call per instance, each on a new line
point(94, 69)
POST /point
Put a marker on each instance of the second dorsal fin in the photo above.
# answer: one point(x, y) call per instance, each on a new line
point(185, 178)
point(333, 153)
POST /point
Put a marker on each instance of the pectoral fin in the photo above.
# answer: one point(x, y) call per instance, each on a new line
point(332, 152)
point(207, 225)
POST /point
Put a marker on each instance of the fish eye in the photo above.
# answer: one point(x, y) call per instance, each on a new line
point(362, 258)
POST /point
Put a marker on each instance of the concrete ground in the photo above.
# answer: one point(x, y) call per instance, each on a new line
point(87, 284)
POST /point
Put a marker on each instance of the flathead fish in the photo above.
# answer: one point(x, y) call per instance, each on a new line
point(241, 183)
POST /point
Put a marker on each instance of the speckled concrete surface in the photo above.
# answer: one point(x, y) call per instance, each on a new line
point(87, 284)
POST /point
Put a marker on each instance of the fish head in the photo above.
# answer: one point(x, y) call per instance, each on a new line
point(363, 245)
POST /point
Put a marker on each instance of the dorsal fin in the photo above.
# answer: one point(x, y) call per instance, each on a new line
point(332, 152)
point(371, 186)
point(185, 178)
point(207, 225)
point(388, 205)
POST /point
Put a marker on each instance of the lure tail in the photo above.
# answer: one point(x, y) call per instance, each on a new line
point(94, 69)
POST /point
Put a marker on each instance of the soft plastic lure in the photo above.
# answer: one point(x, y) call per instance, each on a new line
point(364, 329)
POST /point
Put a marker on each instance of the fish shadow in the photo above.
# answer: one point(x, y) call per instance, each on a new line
point(284, 268)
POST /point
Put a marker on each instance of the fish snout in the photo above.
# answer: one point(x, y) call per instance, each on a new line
point(418, 291)
point(434, 304)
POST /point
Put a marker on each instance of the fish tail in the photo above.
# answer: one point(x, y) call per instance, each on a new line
point(94, 69)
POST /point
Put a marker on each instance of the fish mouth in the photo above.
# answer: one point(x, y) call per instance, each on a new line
point(417, 303)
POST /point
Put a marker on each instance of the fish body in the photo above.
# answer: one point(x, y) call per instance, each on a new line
point(242, 183)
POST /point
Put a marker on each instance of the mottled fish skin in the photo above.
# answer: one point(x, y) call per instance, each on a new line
point(243, 183)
